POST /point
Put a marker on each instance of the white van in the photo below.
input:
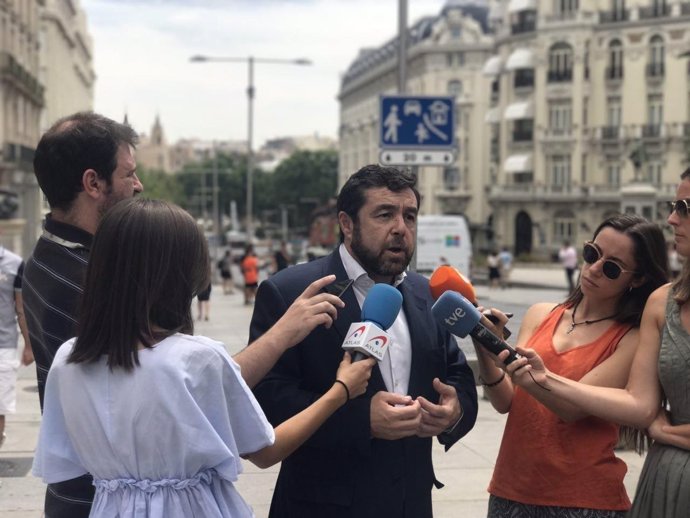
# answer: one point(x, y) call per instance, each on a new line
point(443, 240)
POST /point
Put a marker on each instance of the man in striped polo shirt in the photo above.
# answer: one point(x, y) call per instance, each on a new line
point(84, 164)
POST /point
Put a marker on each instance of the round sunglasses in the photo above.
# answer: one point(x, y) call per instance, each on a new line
point(681, 207)
point(611, 269)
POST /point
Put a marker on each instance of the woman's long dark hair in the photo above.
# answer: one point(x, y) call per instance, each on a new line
point(651, 259)
point(148, 261)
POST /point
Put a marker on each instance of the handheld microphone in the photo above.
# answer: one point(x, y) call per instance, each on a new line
point(460, 317)
point(446, 278)
point(379, 310)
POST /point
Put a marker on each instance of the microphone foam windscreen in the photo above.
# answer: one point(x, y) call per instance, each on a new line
point(456, 313)
point(447, 278)
point(382, 305)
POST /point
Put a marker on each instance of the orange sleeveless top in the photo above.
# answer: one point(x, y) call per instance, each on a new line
point(546, 461)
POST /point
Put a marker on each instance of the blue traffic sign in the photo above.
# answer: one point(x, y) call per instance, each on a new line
point(417, 122)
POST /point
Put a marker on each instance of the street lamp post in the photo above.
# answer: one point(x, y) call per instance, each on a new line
point(250, 60)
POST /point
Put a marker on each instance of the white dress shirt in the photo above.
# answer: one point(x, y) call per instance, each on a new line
point(395, 366)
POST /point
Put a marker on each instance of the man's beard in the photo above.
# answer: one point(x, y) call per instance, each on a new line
point(110, 200)
point(374, 263)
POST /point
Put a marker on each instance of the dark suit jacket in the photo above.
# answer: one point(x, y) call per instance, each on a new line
point(342, 470)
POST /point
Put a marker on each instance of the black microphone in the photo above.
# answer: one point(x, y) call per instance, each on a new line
point(460, 317)
point(379, 310)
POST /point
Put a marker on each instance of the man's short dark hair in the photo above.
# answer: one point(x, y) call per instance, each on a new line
point(75, 143)
point(353, 194)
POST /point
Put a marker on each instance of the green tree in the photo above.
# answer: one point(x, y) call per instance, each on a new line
point(306, 179)
point(159, 185)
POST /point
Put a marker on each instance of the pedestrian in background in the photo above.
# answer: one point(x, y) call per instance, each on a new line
point(225, 267)
point(556, 459)
point(158, 416)
point(493, 264)
point(567, 255)
point(204, 303)
point(11, 315)
point(506, 261)
point(281, 258)
point(250, 271)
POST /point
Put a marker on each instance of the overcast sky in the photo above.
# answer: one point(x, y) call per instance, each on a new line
point(142, 50)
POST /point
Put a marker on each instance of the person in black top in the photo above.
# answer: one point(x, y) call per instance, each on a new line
point(84, 164)
point(281, 258)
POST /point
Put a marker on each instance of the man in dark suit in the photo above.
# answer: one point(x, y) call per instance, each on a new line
point(372, 458)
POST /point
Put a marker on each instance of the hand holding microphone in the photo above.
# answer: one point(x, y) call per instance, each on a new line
point(446, 278)
point(460, 317)
point(379, 310)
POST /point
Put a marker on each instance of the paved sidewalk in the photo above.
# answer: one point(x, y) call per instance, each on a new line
point(465, 469)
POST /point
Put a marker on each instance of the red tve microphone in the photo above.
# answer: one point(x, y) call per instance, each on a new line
point(446, 278)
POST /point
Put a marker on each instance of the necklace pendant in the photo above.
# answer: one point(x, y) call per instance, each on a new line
point(571, 328)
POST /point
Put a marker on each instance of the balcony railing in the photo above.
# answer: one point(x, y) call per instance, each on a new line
point(655, 70)
point(522, 136)
point(557, 133)
point(560, 76)
point(651, 131)
point(12, 70)
point(610, 132)
point(523, 27)
point(655, 11)
point(616, 16)
point(614, 73)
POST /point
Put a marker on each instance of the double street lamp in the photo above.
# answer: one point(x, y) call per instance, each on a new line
point(250, 60)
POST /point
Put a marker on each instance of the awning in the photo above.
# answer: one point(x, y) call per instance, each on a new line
point(518, 163)
point(520, 58)
point(519, 110)
point(493, 115)
point(493, 66)
point(522, 5)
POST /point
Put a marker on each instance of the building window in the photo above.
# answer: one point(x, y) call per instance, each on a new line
point(455, 87)
point(566, 6)
point(615, 68)
point(655, 116)
point(522, 130)
point(613, 111)
point(524, 77)
point(560, 115)
point(564, 226)
point(653, 172)
point(451, 178)
point(560, 63)
point(560, 170)
point(613, 175)
point(456, 32)
point(655, 66)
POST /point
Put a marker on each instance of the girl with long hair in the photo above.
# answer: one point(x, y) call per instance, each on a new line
point(158, 416)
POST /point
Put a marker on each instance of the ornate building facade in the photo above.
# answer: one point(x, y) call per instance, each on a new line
point(45, 73)
point(568, 110)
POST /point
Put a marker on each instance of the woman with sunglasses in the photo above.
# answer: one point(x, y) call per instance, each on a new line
point(555, 459)
point(158, 416)
point(656, 396)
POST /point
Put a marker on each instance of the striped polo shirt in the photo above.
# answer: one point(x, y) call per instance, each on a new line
point(53, 283)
